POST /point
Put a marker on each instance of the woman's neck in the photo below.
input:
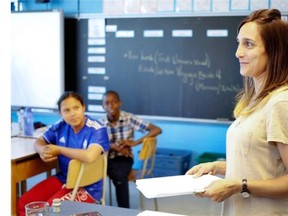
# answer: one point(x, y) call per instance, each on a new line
point(259, 83)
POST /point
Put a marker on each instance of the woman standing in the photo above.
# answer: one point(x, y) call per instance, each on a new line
point(256, 169)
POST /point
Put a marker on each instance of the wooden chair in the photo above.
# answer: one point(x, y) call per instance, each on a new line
point(147, 155)
point(81, 174)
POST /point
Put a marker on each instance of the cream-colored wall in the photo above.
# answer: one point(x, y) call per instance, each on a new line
point(184, 6)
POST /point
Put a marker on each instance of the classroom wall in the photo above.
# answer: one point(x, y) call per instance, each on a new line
point(195, 136)
point(136, 7)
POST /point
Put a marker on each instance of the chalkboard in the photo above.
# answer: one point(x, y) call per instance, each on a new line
point(164, 66)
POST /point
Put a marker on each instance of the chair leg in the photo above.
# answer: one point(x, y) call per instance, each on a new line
point(155, 204)
point(141, 201)
point(110, 192)
point(23, 185)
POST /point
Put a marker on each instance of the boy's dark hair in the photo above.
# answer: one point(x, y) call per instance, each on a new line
point(113, 93)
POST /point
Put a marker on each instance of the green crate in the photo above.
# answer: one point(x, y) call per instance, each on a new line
point(210, 156)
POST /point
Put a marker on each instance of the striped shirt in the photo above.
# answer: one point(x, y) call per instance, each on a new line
point(124, 129)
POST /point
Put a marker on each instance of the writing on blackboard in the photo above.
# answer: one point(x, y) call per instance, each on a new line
point(159, 57)
point(194, 72)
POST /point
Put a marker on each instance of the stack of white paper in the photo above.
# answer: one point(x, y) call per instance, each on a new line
point(156, 213)
point(174, 185)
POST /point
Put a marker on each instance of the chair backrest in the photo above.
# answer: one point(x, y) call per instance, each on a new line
point(147, 154)
point(81, 174)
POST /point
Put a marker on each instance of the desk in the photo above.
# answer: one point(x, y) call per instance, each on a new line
point(25, 163)
point(69, 208)
point(73, 208)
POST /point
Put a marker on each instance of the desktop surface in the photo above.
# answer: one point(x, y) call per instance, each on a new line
point(77, 208)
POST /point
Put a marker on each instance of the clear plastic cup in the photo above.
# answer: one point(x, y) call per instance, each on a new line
point(38, 208)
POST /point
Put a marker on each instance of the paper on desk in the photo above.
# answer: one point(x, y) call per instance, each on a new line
point(173, 185)
point(155, 213)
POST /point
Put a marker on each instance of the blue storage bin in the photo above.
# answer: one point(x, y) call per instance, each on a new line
point(169, 162)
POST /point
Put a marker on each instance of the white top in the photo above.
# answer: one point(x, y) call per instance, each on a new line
point(251, 154)
point(22, 147)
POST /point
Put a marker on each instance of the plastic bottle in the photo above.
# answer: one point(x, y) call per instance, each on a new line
point(20, 115)
point(28, 122)
point(56, 205)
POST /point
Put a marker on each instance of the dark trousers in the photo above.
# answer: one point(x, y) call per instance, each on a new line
point(118, 170)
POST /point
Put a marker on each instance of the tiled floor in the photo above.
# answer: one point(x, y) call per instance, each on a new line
point(185, 205)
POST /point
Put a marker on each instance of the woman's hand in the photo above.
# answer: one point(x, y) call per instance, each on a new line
point(202, 169)
point(220, 190)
